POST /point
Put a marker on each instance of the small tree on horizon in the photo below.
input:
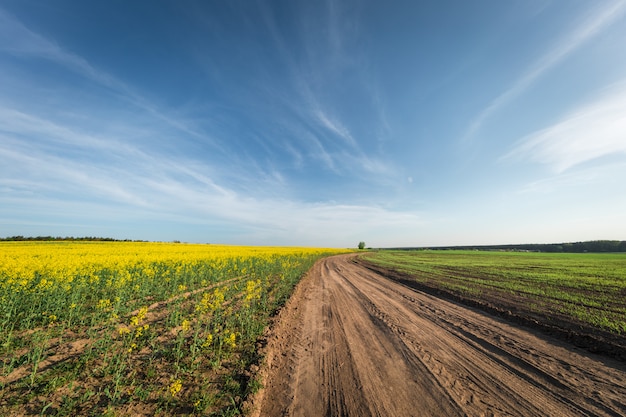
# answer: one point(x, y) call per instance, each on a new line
point(361, 245)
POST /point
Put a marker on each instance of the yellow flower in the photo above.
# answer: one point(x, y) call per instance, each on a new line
point(185, 325)
point(253, 290)
point(141, 315)
point(104, 304)
point(123, 330)
point(209, 341)
point(175, 387)
point(211, 302)
point(230, 339)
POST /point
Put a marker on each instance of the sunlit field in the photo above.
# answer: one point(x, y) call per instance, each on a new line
point(584, 288)
point(120, 328)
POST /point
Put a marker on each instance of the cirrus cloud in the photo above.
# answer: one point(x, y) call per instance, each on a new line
point(592, 131)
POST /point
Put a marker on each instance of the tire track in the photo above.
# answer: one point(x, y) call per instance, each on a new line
point(519, 361)
point(353, 343)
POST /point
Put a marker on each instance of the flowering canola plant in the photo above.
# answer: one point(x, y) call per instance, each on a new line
point(146, 315)
point(99, 278)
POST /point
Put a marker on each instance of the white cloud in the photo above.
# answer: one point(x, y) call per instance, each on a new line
point(194, 204)
point(17, 39)
point(594, 130)
point(336, 127)
point(40, 171)
point(318, 151)
point(600, 20)
point(55, 135)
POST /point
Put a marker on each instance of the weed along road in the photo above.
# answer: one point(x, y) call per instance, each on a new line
point(351, 342)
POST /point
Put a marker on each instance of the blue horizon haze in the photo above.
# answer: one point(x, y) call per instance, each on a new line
point(415, 123)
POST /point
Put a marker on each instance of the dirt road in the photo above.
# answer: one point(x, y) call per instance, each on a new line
point(353, 343)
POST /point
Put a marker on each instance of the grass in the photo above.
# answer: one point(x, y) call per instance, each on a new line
point(587, 288)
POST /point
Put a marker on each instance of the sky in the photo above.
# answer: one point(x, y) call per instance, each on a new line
point(314, 123)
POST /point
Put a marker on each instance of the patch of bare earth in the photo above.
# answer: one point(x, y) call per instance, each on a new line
point(351, 342)
point(519, 308)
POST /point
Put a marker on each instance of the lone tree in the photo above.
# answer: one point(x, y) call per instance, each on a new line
point(361, 245)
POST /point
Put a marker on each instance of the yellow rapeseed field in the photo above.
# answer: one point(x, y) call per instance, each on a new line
point(131, 328)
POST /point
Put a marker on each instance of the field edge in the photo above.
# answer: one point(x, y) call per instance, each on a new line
point(583, 336)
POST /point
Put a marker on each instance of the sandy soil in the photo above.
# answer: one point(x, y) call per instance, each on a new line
point(353, 343)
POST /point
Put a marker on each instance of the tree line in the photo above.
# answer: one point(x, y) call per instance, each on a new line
point(66, 238)
point(574, 247)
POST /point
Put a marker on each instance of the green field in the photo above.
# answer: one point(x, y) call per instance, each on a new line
point(584, 288)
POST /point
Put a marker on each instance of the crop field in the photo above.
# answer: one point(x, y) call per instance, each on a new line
point(576, 290)
point(358, 339)
point(121, 328)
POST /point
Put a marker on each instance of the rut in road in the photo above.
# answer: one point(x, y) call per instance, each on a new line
point(351, 342)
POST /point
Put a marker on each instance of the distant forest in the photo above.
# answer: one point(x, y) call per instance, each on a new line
point(68, 238)
point(576, 247)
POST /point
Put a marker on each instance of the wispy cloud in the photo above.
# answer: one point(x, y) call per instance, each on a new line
point(124, 180)
point(316, 134)
point(320, 133)
point(562, 181)
point(57, 137)
point(178, 193)
point(335, 127)
point(19, 40)
point(599, 20)
point(58, 178)
point(71, 163)
point(594, 130)
point(335, 144)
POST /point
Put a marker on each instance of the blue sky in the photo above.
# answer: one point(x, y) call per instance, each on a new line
point(324, 123)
